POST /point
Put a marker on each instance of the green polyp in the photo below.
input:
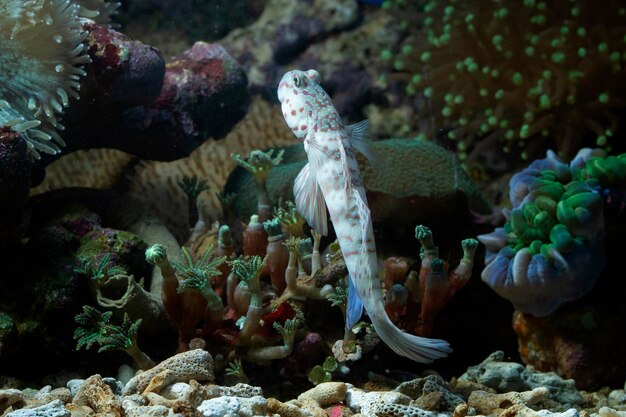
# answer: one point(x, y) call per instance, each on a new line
point(541, 6)
point(469, 18)
point(547, 74)
point(448, 98)
point(483, 92)
point(428, 21)
point(558, 57)
point(503, 124)
point(519, 226)
point(385, 54)
point(495, 73)
point(398, 65)
point(523, 131)
point(614, 56)
point(509, 134)
point(546, 251)
point(530, 210)
point(425, 56)
point(503, 12)
point(564, 30)
point(485, 70)
point(601, 140)
point(517, 78)
point(543, 223)
point(561, 238)
point(581, 31)
point(496, 40)
point(538, 20)
point(428, 92)
point(553, 190)
point(472, 68)
point(546, 204)
point(570, 99)
point(603, 98)
point(461, 146)
point(484, 128)
point(458, 99)
point(529, 3)
point(463, 121)
point(575, 11)
point(416, 79)
point(529, 116)
point(406, 49)
point(603, 47)
point(448, 10)
point(446, 111)
point(529, 50)
point(582, 52)
point(452, 135)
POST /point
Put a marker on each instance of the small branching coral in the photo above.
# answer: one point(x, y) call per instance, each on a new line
point(551, 249)
point(259, 163)
point(41, 52)
point(515, 70)
point(192, 188)
point(436, 285)
point(186, 289)
point(100, 273)
point(95, 327)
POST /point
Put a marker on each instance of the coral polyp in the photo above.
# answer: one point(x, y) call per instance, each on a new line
point(41, 52)
point(528, 74)
point(99, 11)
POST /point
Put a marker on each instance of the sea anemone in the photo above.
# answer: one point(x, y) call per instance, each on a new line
point(40, 53)
point(514, 71)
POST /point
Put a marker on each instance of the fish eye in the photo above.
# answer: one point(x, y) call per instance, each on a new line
point(296, 81)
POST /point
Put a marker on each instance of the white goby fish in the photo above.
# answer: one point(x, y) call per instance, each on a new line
point(332, 179)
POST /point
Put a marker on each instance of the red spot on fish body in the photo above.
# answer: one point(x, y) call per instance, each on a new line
point(293, 112)
point(303, 127)
point(301, 109)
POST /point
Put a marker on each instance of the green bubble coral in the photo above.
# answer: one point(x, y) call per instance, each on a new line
point(529, 75)
point(41, 52)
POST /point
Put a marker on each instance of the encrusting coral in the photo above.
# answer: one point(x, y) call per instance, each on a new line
point(512, 71)
point(41, 52)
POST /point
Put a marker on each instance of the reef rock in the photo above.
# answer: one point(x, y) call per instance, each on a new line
point(502, 376)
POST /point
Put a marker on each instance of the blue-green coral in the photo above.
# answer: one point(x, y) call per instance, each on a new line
point(41, 52)
point(551, 249)
point(514, 71)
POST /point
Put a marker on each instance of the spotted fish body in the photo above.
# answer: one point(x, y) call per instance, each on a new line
point(332, 179)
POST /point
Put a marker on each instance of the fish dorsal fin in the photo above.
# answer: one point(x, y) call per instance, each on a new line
point(360, 140)
point(310, 200)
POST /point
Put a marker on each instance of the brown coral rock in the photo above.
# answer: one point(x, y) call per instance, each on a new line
point(97, 395)
point(186, 366)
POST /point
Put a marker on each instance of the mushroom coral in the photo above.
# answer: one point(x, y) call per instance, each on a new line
point(40, 53)
point(551, 249)
point(514, 71)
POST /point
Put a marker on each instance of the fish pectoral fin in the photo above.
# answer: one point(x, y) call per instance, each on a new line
point(354, 306)
point(360, 140)
point(310, 200)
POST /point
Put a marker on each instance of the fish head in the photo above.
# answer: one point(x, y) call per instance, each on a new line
point(294, 92)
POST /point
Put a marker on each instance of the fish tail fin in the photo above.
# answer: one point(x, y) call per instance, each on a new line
point(354, 308)
point(419, 349)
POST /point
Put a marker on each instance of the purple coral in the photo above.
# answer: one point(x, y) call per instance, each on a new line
point(551, 249)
